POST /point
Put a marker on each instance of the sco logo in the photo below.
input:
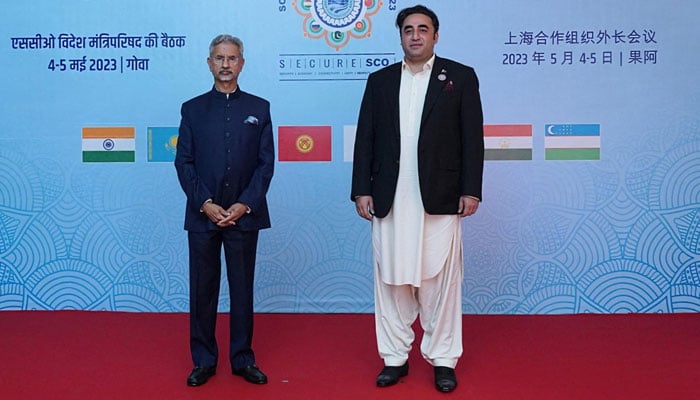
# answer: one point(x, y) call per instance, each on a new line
point(339, 14)
point(336, 21)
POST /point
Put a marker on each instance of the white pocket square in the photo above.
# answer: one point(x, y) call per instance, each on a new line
point(251, 120)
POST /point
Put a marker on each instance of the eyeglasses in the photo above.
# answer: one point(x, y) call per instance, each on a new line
point(231, 59)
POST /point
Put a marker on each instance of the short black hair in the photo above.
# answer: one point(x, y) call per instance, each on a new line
point(418, 9)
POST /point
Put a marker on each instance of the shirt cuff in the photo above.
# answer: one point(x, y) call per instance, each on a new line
point(201, 209)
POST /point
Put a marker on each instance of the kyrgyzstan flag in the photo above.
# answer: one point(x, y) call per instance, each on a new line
point(304, 143)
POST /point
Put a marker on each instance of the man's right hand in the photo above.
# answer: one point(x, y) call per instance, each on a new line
point(365, 207)
point(215, 213)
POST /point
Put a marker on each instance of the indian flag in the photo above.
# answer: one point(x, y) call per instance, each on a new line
point(108, 144)
point(572, 142)
point(508, 142)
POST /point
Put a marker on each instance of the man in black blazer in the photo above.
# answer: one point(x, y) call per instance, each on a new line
point(224, 162)
point(418, 164)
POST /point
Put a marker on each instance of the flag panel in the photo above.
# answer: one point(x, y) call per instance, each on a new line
point(507, 154)
point(110, 132)
point(349, 133)
point(304, 143)
point(572, 142)
point(508, 142)
point(108, 144)
point(162, 143)
point(108, 156)
point(571, 154)
point(572, 130)
point(507, 130)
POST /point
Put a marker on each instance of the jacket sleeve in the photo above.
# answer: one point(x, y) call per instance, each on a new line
point(254, 193)
point(363, 149)
point(196, 192)
point(472, 125)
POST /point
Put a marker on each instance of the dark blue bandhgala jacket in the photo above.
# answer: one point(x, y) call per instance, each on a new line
point(225, 152)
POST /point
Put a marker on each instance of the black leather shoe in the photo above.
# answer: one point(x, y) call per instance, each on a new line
point(200, 375)
point(252, 374)
point(390, 375)
point(445, 379)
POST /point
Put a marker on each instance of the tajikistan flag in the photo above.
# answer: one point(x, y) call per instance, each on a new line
point(508, 142)
point(572, 142)
point(108, 144)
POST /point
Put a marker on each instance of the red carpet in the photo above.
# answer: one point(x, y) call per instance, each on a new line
point(104, 355)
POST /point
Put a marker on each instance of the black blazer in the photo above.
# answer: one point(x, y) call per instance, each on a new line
point(450, 142)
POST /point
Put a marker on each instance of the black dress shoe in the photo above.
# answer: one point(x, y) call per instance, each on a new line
point(252, 374)
point(445, 379)
point(390, 375)
point(200, 375)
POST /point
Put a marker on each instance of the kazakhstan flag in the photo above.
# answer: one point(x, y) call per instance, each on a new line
point(162, 142)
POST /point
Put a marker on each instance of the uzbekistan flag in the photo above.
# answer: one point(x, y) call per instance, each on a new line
point(304, 143)
point(108, 144)
point(572, 142)
point(162, 143)
point(508, 142)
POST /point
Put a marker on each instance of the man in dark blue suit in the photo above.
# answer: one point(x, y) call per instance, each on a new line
point(224, 162)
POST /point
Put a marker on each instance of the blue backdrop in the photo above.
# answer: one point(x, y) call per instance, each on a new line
point(613, 228)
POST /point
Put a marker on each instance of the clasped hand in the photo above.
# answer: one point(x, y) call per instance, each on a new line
point(224, 217)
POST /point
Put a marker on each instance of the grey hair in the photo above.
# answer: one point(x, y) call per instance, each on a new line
point(225, 38)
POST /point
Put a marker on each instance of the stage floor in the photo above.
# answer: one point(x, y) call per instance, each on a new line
point(108, 355)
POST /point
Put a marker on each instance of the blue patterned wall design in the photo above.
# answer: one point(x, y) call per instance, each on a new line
point(621, 236)
point(616, 235)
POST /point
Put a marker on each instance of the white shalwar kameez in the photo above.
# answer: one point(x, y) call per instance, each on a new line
point(418, 257)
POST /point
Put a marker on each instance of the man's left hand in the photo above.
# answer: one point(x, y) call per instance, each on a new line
point(236, 211)
point(467, 206)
